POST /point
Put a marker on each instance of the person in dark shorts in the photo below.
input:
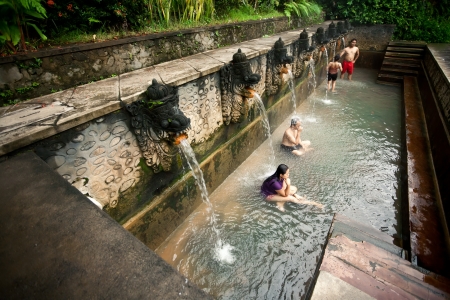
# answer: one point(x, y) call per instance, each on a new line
point(277, 188)
point(291, 139)
point(333, 68)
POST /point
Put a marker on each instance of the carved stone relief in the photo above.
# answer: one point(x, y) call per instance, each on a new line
point(200, 101)
point(156, 122)
point(238, 81)
point(100, 158)
point(278, 65)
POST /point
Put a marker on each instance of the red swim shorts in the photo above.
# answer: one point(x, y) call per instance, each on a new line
point(347, 66)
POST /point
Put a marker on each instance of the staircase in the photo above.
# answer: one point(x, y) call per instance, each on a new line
point(401, 58)
point(361, 262)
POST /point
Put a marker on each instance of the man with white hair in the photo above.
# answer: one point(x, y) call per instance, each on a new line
point(291, 139)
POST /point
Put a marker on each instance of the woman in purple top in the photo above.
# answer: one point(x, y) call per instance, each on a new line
point(278, 188)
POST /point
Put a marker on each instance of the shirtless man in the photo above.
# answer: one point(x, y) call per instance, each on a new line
point(291, 139)
point(333, 68)
point(351, 54)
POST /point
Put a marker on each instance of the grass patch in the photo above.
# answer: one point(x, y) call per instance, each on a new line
point(246, 13)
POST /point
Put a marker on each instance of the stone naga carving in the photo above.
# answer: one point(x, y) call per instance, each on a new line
point(158, 123)
point(276, 67)
point(236, 80)
point(300, 47)
point(332, 31)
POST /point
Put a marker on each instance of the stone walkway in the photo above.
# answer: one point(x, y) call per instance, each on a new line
point(56, 244)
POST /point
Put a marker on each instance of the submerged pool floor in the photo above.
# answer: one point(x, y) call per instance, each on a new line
point(353, 169)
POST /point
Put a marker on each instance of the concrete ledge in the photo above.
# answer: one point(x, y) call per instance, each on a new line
point(56, 244)
point(428, 241)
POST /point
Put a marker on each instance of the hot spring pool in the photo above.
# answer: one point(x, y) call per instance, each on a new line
point(354, 170)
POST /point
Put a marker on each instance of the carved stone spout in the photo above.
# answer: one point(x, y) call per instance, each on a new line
point(280, 53)
point(277, 60)
point(157, 123)
point(320, 35)
point(332, 30)
point(236, 82)
point(347, 25)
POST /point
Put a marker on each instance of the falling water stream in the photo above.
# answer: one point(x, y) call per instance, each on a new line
point(353, 170)
point(292, 88)
point(222, 251)
point(325, 54)
point(265, 119)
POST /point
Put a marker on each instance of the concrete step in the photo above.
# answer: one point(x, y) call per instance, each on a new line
point(401, 63)
point(398, 71)
point(357, 231)
point(405, 60)
point(380, 265)
point(341, 274)
point(390, 79)
point(407, 44)
point(402, 54)
point(405, 49)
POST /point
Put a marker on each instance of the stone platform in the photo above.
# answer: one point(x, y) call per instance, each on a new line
point(56, 244)
point(361, 262)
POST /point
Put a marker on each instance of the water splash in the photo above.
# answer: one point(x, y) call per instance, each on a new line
point(292, 88)
point(312, 82)
point(343, 42)
point(325, 53)
point(266, 124)
point(223, 251)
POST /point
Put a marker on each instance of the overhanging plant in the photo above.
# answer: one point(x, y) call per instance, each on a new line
point(15, 17)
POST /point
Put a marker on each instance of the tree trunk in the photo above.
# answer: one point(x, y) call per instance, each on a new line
point(22, 38)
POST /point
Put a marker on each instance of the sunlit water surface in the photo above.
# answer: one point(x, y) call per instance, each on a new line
point(353, 170)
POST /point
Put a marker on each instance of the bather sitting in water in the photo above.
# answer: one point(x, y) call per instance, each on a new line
point(291, 139)
point(278, 188)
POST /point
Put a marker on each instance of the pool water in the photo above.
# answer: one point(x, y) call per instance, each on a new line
point(353, 169)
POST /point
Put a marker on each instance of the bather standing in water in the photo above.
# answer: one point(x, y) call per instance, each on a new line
point(351, 54)
point(278, 188)
point(291, 139)
point(333, 68)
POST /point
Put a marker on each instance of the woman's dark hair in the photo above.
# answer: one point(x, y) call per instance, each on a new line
point(337, 57)
point(281, 170)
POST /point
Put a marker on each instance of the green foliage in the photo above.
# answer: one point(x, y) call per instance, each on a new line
point(166, 11)
point(92, 15)
point(416, 20)
point(246, 13)
point(17, 16)
point(301, 8)
point(6, 94)
point(33, 64)
point(152, 103)
point(24, 90)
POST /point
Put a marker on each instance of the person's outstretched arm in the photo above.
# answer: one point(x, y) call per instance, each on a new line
point(356, 55)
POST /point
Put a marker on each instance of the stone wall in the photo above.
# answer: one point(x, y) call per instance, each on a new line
point(434, 88)
point(40, 73)
point(439, 80)
point(372, 38)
